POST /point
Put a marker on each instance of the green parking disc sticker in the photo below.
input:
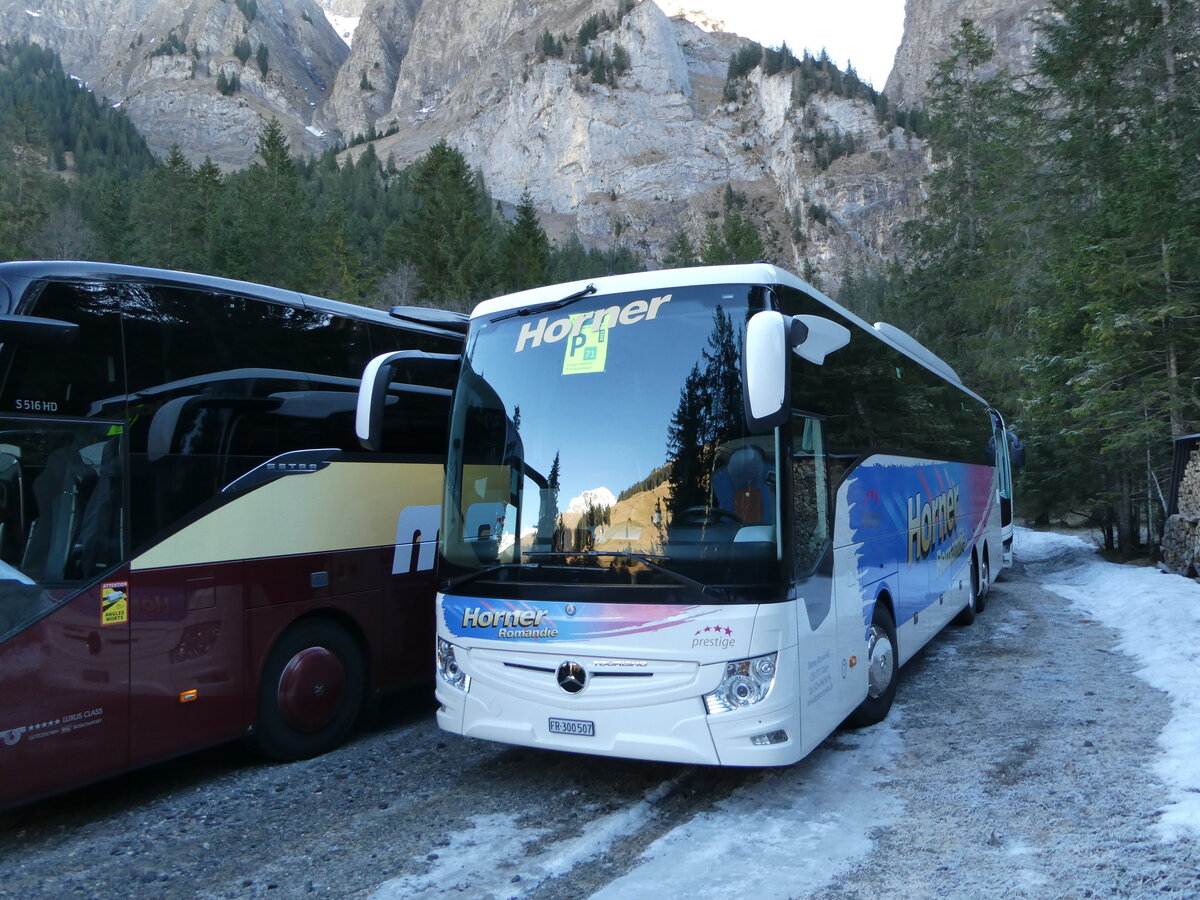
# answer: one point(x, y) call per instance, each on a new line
point(587, 348)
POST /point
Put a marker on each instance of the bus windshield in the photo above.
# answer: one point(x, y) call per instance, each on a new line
point(604, 442)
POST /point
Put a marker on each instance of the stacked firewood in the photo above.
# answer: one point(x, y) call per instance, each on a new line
point(1181, 538)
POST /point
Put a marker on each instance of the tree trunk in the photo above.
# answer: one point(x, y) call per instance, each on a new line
point(1126, 536)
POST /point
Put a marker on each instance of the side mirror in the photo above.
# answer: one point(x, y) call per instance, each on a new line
point(814, 338)
point(766, 391)
point(377, 379)
point(769, 337)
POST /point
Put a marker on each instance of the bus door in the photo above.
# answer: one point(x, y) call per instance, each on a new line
point(822, 703)
point(1003, 462)
point(64, 611)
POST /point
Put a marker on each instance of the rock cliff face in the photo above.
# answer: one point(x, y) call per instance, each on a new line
point(634, 156)
point(161, 60)
point(636, 159)
point(929, 26)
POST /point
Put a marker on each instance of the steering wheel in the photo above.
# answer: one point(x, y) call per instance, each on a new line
point(707, 515)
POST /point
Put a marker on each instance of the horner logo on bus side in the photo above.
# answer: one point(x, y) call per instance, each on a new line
point(931, 523)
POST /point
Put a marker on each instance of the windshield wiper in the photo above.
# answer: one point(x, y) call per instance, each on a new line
point(650, 562)
point(452, 583)
point(546, 307)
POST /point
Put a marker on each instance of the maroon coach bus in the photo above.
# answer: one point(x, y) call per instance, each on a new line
point(194, 546)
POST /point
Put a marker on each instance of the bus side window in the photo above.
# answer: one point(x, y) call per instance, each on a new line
point(811, 521)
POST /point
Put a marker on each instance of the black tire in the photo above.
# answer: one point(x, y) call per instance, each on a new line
point(982, 583)
point(311, 691)
point(882, 663)
point(967, 614)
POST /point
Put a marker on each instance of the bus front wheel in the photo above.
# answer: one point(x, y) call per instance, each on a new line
point(883, 669)
point(311, 691)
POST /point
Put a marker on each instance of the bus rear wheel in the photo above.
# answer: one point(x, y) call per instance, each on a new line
point(311, 691)
point(883, 669)
point(983, 583)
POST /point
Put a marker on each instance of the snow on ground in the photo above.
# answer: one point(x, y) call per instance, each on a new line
point(344, 26)
point(468, 865)
point(1158, 618)
point(811, 820)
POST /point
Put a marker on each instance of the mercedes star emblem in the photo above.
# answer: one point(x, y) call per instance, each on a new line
point(571, 677)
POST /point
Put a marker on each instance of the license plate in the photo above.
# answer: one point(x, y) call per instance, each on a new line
point(573, 726)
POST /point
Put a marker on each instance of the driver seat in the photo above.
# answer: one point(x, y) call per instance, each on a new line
point(752, 498)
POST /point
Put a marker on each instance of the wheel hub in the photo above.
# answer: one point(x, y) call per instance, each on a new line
point(879, 666)
point(311, 688)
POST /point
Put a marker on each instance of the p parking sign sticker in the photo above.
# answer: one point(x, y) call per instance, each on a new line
point(587, 347)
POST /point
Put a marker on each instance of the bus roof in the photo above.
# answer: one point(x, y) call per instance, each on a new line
point(19, 274)
point(749, 273)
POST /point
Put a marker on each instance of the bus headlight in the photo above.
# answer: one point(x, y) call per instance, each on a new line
point(746, 682)
point(448, 669)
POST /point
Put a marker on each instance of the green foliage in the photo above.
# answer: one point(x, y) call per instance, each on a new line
point(600, 68)
point(681, 253)
point(171, 45)
point(66, 117)
point(249, 9)
point(591, 27)
point(735, 239)
point(827, 147)
point(777, 60)
point(261, 57)
point(1062, 225)
point(524, 249)
point(744, 61)
point(620, 62)
point(448, 234)
point(549, 46)
point(242, 49)
point(228, 84)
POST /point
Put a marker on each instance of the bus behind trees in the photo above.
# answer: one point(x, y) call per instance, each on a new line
point(702, 516)
point(193, 544)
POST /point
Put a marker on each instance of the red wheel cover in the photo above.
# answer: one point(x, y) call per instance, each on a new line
point(311, 689)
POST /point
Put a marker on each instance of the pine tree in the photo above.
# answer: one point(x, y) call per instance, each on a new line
point(735, 240)
point(968, 244)
point(267, 225)
point(1116, 324)
point(680, 253)
point(447, 235)
point(525, 249)
point(165, 211)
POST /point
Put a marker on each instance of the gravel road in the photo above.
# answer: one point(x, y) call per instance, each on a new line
point(1018, 764)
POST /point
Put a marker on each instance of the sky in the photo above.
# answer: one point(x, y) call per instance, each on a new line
point(814, 821)
point(863, 32)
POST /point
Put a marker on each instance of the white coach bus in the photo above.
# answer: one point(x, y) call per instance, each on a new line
point(701, 515)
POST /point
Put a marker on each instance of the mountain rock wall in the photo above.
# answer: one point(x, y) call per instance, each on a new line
point(930, 24)
point(161, 60)
point(636, 157)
